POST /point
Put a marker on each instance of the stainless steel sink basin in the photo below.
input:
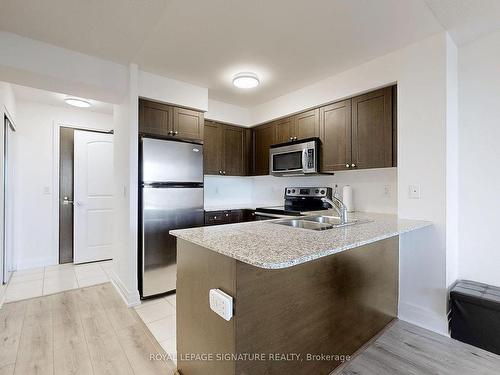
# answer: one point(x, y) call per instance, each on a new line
point(318, 222)
point(304, 224)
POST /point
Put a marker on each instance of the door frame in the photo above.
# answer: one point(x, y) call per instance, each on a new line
point(7, 204)
point(56, 132)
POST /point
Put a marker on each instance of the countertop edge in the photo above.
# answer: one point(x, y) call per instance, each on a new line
point(309, 257)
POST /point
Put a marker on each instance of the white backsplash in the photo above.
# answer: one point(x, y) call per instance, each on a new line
point(374, 190)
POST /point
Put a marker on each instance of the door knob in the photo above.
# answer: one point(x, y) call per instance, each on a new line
point(220, 172)
point(347, 165)
point(176, 132)
point(170, 132)
point(295, 138)
point(291, 138)
point(223, 172)
point(353, 165)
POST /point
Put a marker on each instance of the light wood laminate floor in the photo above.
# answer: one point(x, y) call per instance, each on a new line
point(407, 349)
point(82, 331)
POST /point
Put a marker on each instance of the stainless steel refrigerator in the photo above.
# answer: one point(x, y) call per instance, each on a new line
point(171, 197)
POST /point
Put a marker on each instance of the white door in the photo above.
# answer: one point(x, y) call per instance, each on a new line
point(93, 196)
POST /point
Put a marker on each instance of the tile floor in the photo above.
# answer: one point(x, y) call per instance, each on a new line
point(36, 282)
point(159, 316)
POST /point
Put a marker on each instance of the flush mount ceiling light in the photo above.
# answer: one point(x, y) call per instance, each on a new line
point(75, 102)
point(246, 80)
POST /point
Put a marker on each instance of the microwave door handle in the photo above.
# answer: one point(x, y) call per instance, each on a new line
point(304, 159)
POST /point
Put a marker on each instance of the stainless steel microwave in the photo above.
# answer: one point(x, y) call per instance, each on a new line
point(295, 158)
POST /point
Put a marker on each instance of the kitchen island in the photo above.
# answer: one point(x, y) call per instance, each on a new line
point(304, 300)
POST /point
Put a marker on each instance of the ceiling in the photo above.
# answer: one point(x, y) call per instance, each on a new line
point(57, 99)
point(288, 43)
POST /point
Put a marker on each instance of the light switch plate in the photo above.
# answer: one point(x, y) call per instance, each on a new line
point(221, 303)
point(414, 191)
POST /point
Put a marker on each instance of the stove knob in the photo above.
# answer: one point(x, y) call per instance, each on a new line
point(293, 190)
point(322, 192)
point(288, 191)
point(316, 191)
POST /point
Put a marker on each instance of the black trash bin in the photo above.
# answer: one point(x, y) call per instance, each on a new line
point(475, 314)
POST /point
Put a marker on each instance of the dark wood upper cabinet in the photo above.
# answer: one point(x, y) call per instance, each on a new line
point(285, 129)
point(300, 126)
point(212, 155)
point(188, 124)
point(155, 118)
point(372, 132)
point(264, 137)
point(307, 124)
point(226, 149)
point(335, 135)
point(166, 120)
point(234, 153)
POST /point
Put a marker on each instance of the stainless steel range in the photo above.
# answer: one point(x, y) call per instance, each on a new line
point(299, 201)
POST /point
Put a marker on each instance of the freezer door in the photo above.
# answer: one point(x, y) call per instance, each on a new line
point(165, 209)
point(171, 161)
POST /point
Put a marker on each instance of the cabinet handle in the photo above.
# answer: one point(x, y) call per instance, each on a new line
point(224, 172)
point(227, 214)
point(295, 138)
point(176, 132)
point(220, 172)
point(347, 165)
point(291, 138)
point(170, 132)
point(353, 165)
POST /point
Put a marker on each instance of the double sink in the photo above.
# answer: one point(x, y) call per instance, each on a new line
point(318, 222)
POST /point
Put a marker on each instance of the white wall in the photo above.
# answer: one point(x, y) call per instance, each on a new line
point(171, 91)
point(228, 113)
point(124, 275)
point(34, 223)
point(479, 157)
point(420, 70)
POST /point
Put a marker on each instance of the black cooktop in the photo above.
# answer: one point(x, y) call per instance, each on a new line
point(286, 210)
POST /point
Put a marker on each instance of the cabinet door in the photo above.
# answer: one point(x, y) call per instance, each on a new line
point(236, 216)
point(264, 136)
point(335, 135)
point(155, 118)
point(233, 146)
point(188, 124)
point(372, 135)
point(285, 130)
point(212, 153)
point(307, 124)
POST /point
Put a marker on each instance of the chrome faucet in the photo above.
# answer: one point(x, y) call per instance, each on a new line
point(339, 206)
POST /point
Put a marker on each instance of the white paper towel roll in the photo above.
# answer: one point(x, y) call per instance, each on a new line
point(347, 198)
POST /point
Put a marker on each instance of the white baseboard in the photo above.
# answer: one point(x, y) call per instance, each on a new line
point(131, 298)
point(423, 318)
point(34, 263)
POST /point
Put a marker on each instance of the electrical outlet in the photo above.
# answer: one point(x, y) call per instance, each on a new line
point(221, 303)
point(414, 191)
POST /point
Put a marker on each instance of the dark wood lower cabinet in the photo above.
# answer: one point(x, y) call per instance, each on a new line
point(228, 216)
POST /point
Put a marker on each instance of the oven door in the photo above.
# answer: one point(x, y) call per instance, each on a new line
point(288, 159)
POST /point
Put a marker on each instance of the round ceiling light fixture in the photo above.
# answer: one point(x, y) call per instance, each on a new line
point(246, 80)
point(76, 102)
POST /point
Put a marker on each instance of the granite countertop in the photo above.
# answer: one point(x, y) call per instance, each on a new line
point(268, 245)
